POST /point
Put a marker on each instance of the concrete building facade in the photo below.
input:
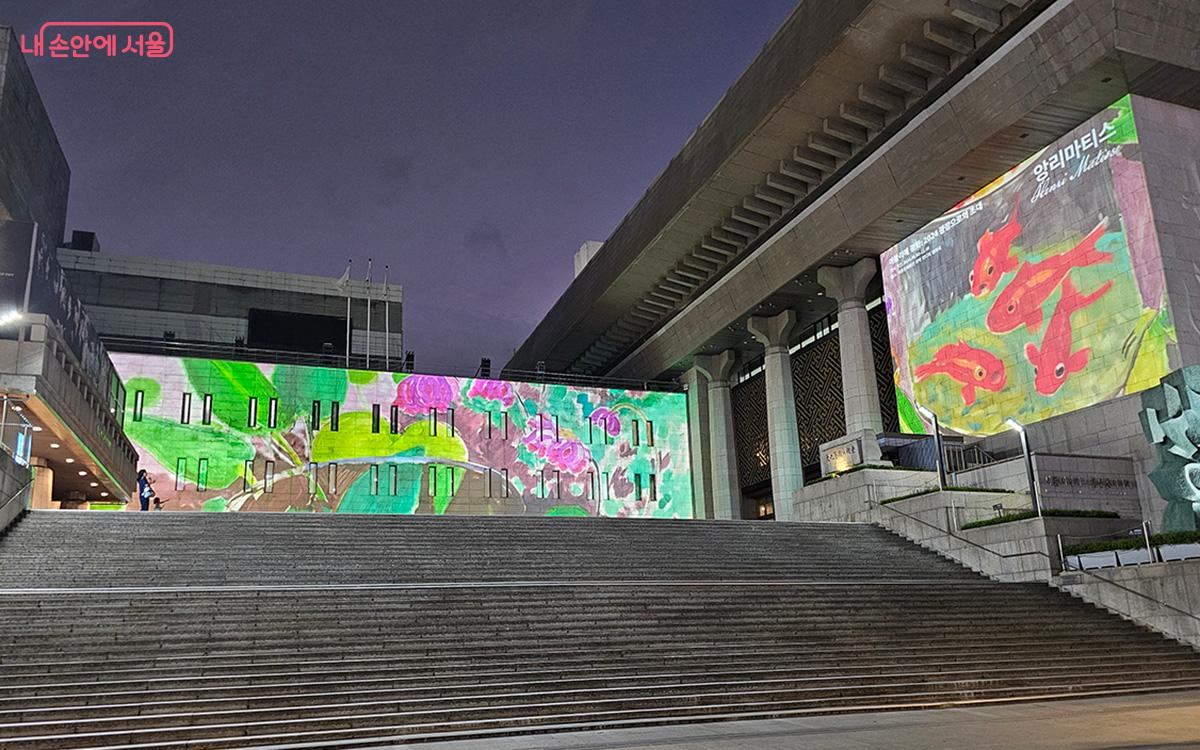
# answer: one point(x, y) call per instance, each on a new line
point(858, 125)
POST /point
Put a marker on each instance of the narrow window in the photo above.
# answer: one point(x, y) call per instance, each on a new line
point(556, 438)
point(557, 485)
point(139, 399)
point(185, 409)
point(375, 418)
point(269, 476)
point(312, 478)
point(506, 429)
point(392, 479)
point(395, 419)
point(653, 489)
point(433, 419)
point(206, 410)
point(650, 433)
point(333, 479)
point(374, 479)
point(489, 481)
point(272, 413)
point(591, 430)
point(335, 408)
point(252, 412)
point(180, 472)
point(591, 485)
point(202, 475)
point(489, 428)
point(432, 481)
point(247, 474)
point(504, 478)
point(637, 432)
point(543, 478)
point(450, 420)
point(541, 428)
point(637, 481)
point(606, 490)
point(316, 416)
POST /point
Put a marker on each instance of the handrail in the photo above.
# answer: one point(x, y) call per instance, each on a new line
point(1109, 581)
point(9, 499)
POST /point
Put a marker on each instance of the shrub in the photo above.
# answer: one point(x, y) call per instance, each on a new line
point(1133, 542)
point(951, 488)
point(1021, 515)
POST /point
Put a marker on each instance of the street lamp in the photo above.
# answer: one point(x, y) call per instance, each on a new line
point(1020, 430)
point(937, 445)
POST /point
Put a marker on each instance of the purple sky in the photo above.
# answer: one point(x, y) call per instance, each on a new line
point(470, 145)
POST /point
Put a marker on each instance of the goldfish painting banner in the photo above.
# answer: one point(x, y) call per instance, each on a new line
point(1041, 294)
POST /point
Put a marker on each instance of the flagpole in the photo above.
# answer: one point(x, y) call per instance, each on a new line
point(368, 313)
point(347, 276)
point(387, 327)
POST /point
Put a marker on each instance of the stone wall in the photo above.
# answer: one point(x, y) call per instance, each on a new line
point(1164, 596)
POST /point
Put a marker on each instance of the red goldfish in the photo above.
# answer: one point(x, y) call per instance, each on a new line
point(1055, 360)
point(994, 258)
point(974, 368)
point(1021, 301)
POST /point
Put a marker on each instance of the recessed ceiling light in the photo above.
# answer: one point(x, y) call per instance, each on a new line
point(103, 494)
point(55, 445)
point(37, 429)
point(70, 460)
point(93, 484)
point(18, 408)
point(82, 473)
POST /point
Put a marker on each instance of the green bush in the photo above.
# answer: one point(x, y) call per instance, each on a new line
point(860, 467)
point(1021, 515)
point(951, 488)
point(1133, 542)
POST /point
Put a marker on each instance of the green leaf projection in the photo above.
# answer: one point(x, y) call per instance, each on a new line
point(295, 438)
point(1039, 295)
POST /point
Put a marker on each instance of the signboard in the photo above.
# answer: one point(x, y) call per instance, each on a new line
point(1039, 295)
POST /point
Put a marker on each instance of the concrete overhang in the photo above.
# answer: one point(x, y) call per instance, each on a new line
point(1073, 59)
point(834, 82)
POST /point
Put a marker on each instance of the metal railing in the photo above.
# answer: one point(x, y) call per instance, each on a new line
point(1003, 556)
point(208, 350)
point(16, 431)
point(9, 515)
point(1146, 552)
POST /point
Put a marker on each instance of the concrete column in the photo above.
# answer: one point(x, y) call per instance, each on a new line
point(43, 484)
point(726, 492)
point(696, 386)
point(860, 393)
point(783, 437)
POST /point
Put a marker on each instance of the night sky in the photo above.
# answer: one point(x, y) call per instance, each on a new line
point(470, 145)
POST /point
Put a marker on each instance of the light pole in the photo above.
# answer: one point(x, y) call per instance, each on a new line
point(937, 445)
point(1020, 429)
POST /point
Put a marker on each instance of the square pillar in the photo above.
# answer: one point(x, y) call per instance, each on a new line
point(726, 492)
point(787, 472)
point(696, 387)
point(860, 394)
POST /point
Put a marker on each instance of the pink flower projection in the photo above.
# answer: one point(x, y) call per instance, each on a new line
point(493, 390)
point(570, 455)
point(607, 419)
point(418, 393)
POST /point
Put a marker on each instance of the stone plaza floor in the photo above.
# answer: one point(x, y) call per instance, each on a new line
point(1152, 721)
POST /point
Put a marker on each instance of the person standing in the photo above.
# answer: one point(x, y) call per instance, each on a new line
point(145, 490)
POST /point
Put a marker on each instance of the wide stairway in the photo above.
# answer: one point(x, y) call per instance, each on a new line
point(264, 630)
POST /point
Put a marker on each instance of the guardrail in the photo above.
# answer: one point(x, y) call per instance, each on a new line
point(16, 431)
point(10, 512)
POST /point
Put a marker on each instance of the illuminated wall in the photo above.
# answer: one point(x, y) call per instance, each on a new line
point(1041, 294)
point(220, 435)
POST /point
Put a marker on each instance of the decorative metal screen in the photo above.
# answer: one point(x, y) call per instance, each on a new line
point(820, 413)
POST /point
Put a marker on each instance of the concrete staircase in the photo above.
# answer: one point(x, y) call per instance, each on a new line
point(274, 630)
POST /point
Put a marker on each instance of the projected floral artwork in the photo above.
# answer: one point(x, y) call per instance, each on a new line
point(1041, 294)
point(231, 436)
